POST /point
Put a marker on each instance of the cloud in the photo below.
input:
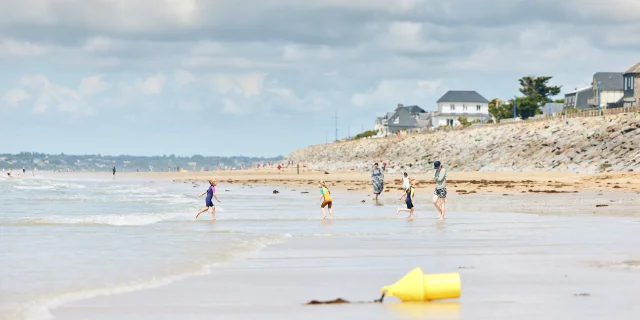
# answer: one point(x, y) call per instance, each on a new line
point(92, 85)
point(15, 96)
point(230, 107)
point(47, 95)
point(183, 78)
point(280, 58)
point(21, 48)
point(392, 92)
point(152, 85)
point(98, 44)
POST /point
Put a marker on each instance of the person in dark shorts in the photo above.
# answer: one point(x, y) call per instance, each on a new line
point(211, 193)
point(408, 195)
point(325, 199)
point(114, 171)
point(440, 194)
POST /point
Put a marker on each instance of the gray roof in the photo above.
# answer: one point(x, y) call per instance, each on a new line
point(634, 69)
point(414, 110)
point(464, 96)
point(579, 90)
point(609, 80)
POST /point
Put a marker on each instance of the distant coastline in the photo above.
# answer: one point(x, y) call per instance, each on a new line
point(125, 163)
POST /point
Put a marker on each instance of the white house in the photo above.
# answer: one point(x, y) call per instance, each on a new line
point(607, 89)
point(456, 104)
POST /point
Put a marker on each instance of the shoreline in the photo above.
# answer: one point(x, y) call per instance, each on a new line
point(460, 182)
point(544, 193)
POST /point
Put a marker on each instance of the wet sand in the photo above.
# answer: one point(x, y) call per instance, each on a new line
point(460, 182)
point(527, 266)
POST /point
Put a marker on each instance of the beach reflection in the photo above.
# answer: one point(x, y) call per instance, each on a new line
point(424, 310)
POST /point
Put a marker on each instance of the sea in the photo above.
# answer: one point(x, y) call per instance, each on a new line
point(67, 238)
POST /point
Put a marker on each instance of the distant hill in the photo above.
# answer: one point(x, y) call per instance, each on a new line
point(42, 161)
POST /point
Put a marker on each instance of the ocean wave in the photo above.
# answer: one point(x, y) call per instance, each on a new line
point(48, 186)
point(132, 219)
point(41, 308)
point(34, 187)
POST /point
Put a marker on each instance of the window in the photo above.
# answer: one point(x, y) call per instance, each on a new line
point(478, 107)
point(628, 82)
point(450, 122)
point(453, 107)
point(464, 107)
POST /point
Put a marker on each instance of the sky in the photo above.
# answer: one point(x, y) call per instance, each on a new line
point(263, 78)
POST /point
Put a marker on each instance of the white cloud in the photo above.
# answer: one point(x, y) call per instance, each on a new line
point(48, 95)
point(203, 48)
point(152, 85)
point(392, 92)
point(15, 96)
point(92, 85)
point(246, 85)
point(21, 48)
point(98, 44)
point(184, 78)
point(230, 107)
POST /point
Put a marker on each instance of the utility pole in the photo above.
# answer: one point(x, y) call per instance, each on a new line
point(514, 107)
point(598, 89)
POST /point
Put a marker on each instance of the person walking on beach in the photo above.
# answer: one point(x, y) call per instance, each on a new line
point(408, 194)
point(211, 193)
point(377, 179)
point(325, 199)
point(405, 181)
point(440, 195)
point(114, 172)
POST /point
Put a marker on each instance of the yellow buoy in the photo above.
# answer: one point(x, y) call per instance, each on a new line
point(417, 286)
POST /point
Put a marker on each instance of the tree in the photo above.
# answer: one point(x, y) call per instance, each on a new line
point(464, 121)
point(559, 101)
point(366, 134)
point(537, 89)
point(527, 107)
point(500, 110)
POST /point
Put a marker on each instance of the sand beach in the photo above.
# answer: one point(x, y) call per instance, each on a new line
point(520, 253)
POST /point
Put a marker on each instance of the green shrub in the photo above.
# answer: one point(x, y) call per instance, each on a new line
point(366, 134)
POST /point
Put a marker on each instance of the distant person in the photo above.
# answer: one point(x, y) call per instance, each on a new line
point(298, 167)
point(9, 173)
point(114, 172)
point(33, 172)
point(23, 171)
point(325, 199)
point(377, 180)
point(440, 194)
point(211, 193)
point(408, 194)
point(405, 181)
